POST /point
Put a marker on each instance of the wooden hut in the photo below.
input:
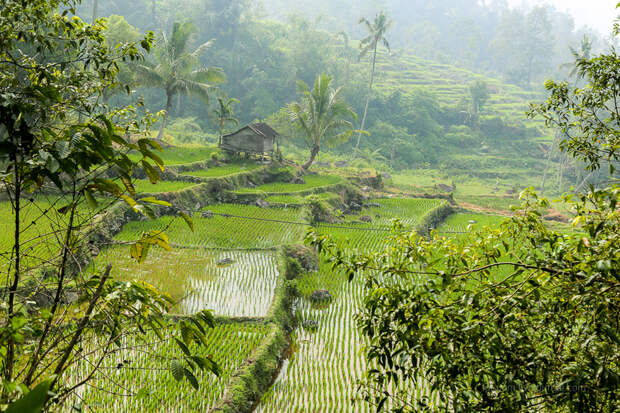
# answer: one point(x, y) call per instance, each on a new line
point(257, 138)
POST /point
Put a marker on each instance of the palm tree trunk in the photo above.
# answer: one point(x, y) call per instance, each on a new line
point(372, 78)
point(315, 150)
point(95, 7)
point(163, 122)
point(550, 153)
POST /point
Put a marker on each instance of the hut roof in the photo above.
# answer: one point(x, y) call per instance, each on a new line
point(259, 128)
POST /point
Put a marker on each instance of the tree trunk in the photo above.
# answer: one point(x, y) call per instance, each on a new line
point(548, 164)
point(160, 136)
point(95, 7)
point(315, 150)
point(9, 358)
point(372, 78)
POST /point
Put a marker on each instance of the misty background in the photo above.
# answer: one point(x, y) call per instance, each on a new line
point(450, 93)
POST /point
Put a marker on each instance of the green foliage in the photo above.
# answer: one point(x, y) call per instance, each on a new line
point(587, 117)
point(224, 114)
point(176, 70)
point(479, 95)
point(321, 115)
point(44, 149)
point(185, 131)
point(513, 318)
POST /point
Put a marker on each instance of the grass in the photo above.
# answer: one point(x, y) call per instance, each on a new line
point(225, 232)
point(312, 181)
point(465, 222)
point(228, 169)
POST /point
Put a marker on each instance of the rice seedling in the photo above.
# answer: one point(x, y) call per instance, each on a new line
point(196, 279)
point(179, 155)
point(134, 379)
point(328, 363)
point(226, 232)
point(284, 199)
point(145, 186)
point(312, 181)
point(41, 230)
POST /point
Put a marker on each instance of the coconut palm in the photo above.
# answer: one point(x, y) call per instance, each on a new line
point(584, 53)
point(376, 34)
point(224, 114)
point(321, 115)
point(177, 71)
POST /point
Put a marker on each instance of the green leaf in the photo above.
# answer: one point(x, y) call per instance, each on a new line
point(153, 200)
point(142, 393)
point(128, 185)
point(192, 379)
point(188, 220)
point(63, 148)
point(151, 172)
point(176, 368)
point(90, 199)
point(130, 201)
point(32, 402)
point(183, 347)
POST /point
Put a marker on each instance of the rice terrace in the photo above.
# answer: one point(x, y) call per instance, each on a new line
point(269, 206)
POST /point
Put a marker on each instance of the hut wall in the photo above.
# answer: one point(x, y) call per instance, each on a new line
point(247, 140)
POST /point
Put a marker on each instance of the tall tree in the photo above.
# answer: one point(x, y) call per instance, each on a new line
point(376, 35)
point(321, 115)
point(224, 114)
point(177, 71)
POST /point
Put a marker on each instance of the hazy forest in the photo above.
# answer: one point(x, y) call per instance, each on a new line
point(326, 206)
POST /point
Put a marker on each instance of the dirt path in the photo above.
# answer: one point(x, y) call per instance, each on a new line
point(478, 208)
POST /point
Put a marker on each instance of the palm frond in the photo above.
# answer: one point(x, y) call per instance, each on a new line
point(202, 48)
point(209, 75)
point(149, 76)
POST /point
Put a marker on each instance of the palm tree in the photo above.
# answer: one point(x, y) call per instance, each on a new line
point(224, 114)
point(321, 115)
point(579, 55)
point(175, 69)
point(376, 35)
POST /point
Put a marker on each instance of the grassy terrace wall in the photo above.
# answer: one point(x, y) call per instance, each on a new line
point(209, 191)
point(434, 218)
point(251, 197)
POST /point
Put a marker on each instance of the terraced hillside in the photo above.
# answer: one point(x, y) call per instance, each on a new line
point(404, 71)
point(234, 263)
